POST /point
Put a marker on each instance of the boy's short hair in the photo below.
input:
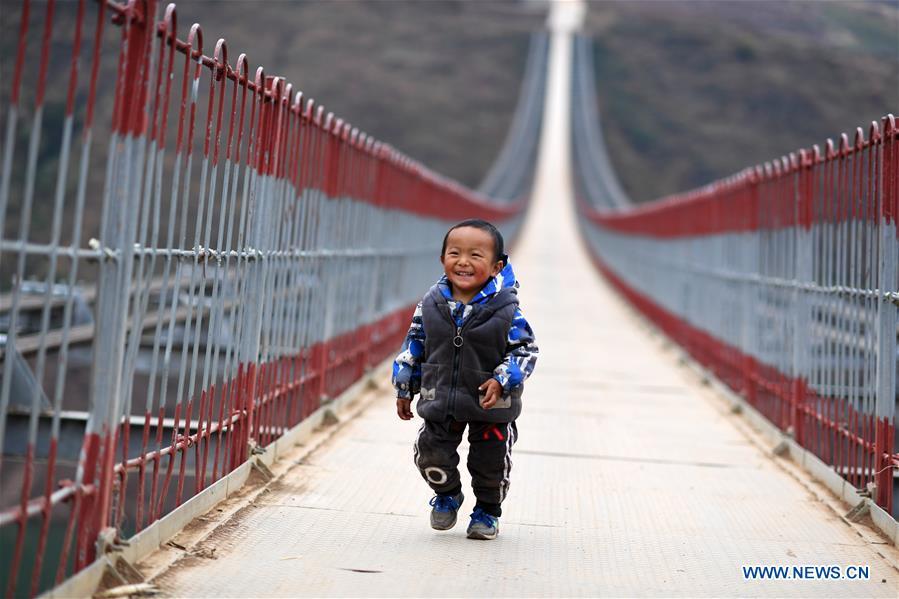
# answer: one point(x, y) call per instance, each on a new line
point(483, 225)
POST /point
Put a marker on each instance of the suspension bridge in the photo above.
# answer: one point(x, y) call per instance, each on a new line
point(200, 302)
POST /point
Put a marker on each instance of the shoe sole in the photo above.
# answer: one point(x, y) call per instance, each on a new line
point(436, 527)
point(480, 536)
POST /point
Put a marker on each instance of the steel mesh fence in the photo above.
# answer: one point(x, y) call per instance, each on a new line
point(190, 266)
point(783, 280)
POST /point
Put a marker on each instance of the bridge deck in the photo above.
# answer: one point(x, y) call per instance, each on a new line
point(629, 478)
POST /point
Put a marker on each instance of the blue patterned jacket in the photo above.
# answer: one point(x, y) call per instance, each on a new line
point(521, 349)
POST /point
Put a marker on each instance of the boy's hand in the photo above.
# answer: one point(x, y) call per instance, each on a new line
point(492, 392)
point(404, 408)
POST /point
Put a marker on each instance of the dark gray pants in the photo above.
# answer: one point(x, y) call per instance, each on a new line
point(489, 459)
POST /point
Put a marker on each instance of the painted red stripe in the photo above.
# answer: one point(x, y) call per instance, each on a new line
point(129, 116)
point(84, 538)
point(76, 52)
point(45, 517)
point(45, 53)
point(20, 53)
point(22, 521)
point(890, 204)
point(765, 197)
point(95, 67)
point(141, 472)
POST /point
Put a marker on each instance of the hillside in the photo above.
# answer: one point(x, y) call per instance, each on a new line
point(693, 91)
point(688, 91)
point(439, 80)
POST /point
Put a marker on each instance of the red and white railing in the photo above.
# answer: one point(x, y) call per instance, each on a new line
point(201, 256)
point(784, 281)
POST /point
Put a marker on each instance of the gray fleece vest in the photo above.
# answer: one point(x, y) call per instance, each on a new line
point(457, 360)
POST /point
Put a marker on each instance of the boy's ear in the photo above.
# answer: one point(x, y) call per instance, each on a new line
point(498, 267)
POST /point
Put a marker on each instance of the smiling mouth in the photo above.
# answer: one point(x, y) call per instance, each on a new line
point(463, 274)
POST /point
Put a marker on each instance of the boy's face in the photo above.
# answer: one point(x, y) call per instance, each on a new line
point(469, 259)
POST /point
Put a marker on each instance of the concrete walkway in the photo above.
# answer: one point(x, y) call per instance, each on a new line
point(629, 479)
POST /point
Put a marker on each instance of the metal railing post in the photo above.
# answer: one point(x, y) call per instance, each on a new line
point(118, 231)
point(801, 300)
point(885, 407)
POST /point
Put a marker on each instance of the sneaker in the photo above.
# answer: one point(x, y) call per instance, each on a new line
point(483, 526)
point(443, 516)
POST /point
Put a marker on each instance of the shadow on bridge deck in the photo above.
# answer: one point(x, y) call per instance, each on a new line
point(630, 477)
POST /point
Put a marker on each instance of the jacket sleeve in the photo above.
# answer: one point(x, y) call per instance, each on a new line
point(407, 365)
point(521, 354)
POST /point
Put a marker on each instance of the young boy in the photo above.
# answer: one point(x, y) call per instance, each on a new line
point(467, 354)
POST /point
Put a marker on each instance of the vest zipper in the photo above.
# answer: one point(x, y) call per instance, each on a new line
point(457, 357)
